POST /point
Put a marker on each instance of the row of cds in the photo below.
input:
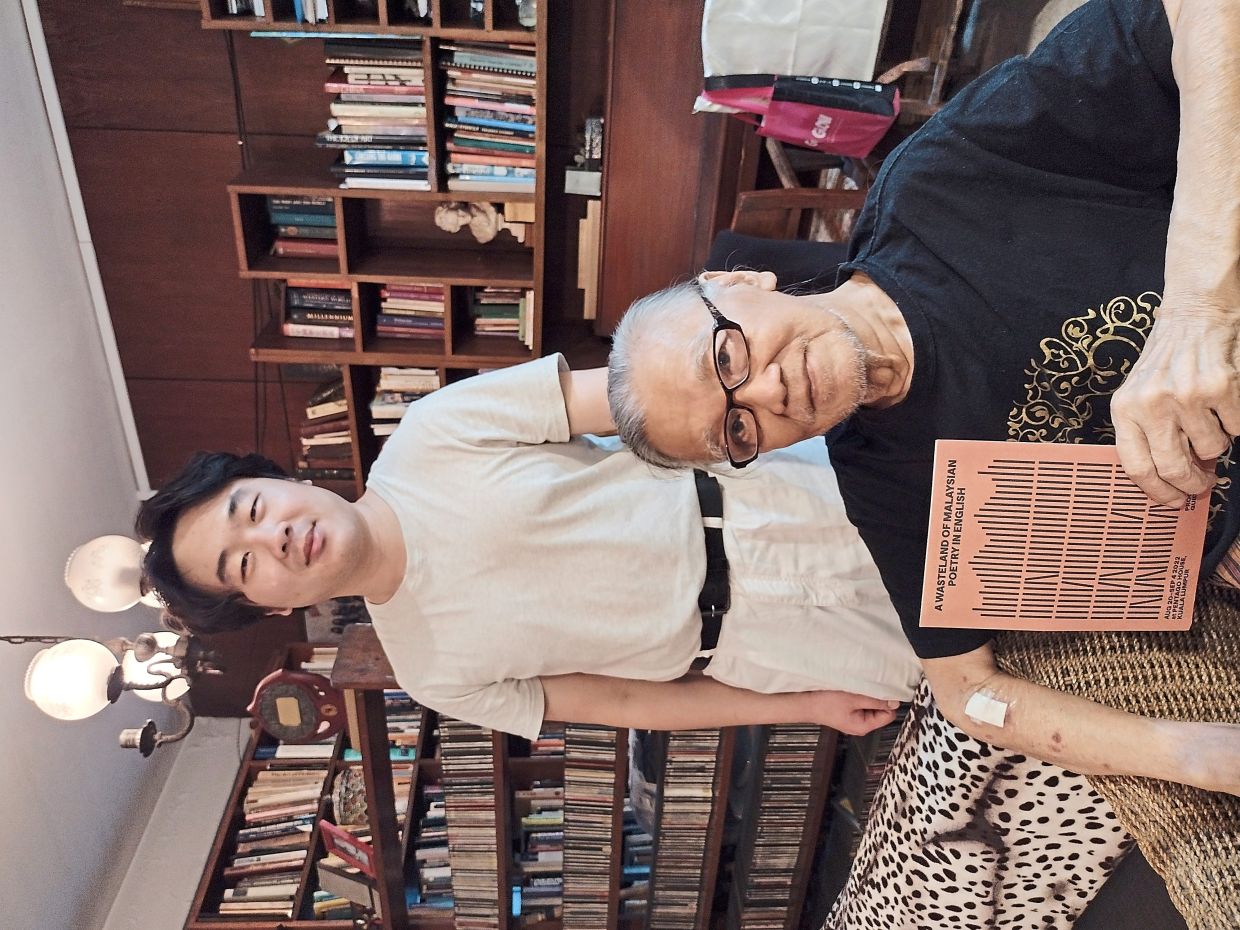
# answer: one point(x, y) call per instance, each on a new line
point(589, 814)
point(468, 756)
point(787, 785)
point(684, 818)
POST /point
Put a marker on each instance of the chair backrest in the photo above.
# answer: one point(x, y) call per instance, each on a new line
point(776, 214)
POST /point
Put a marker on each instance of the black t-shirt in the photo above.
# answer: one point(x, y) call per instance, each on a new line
point(1022, 234)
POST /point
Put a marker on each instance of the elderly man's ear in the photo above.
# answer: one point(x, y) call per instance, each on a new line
point(764, 280)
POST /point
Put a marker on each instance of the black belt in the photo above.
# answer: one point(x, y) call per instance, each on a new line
point(716, 597)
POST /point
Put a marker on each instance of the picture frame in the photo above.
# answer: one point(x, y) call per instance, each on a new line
point(356, 852)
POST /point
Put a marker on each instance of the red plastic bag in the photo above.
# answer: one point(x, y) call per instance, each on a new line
point(826, 114)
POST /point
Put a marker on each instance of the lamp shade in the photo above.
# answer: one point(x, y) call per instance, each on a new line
point(105, 573)
point(138, 672)
point(69, 681)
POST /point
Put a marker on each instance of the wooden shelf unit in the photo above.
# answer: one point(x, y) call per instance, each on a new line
point(448, 19)
point(687, 847)
point(389, 237)
point(202, 915)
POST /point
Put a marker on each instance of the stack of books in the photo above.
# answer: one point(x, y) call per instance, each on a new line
point(396, 390)
point(317, 309)
point(503, 311)
point(430, 853)
point(378, 113)
point(304, 227)
point(326, 443)
point(404, 728)
point(539, 864)
point(490, 116)
point(410, 311)
point(263, 873)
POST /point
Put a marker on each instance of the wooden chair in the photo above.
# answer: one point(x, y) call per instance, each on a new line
point(780, 213)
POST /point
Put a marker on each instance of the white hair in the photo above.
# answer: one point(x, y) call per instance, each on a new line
point(646, 317)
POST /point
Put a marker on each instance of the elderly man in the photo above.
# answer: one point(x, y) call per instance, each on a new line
point(1003, 282)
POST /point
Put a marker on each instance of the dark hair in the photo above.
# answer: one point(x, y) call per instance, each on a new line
point(204, 476)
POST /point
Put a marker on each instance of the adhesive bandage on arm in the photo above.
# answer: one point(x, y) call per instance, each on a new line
point(983, 706)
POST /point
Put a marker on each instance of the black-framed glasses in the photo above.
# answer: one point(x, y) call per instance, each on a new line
point(730, 351)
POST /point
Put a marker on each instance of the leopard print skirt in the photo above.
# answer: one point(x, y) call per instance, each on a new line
point(965, 836)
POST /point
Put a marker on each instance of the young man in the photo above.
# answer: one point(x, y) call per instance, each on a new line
point(1003, 280)
point(513, 575)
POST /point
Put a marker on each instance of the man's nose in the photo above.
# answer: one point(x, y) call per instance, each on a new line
point(275, 537)
point(765, 390)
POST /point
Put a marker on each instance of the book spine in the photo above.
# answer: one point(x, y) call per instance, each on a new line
point(308, 315)
point(305, 248)
point(499, 171)
point(296, 218)
point(316, 330)
point(494, 63)
point(283, 204)
point(318, 300)
point(413, 157)
point(480, 104)
point(306, 232)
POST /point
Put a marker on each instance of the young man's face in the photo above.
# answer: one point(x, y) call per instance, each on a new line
point(281, 544)
point(806, 372)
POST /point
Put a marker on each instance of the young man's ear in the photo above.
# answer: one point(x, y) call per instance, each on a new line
point(273, 612)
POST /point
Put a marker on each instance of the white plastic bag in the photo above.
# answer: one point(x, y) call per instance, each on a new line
point(824, 38)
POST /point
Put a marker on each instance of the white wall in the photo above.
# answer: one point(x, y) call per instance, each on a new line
point(72, 797)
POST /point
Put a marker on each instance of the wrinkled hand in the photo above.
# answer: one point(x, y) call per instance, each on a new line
point(1180, 406)
point(854, 714)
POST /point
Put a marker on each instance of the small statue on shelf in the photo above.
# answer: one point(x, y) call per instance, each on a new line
point(482, 219)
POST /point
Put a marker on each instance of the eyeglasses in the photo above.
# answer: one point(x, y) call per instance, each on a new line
point(731, 353)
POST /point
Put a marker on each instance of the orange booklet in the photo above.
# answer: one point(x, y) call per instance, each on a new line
point(1053, 536)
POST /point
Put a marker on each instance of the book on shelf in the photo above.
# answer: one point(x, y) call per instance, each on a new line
point(335, 139)
point(305, 232)
point(493, 158)
point(293, 203)
point(495, 119)
point(411, 172)
point(343, 82)
point(487, 170)
point(514, 60)
point(318, 297)
point(458, 183)
point(473, 103)
point(339, 423)
point(316, 330)
point(411, 132)
point(375, 54)
point(408, 184)
point(406, 157)
point(305, 248)
point(329, 392)
point(505, 133)
point(378, 111)
point(349, 883)
point(1054, 536)
point(291, 218)
point(325, 443)
point(307, 315)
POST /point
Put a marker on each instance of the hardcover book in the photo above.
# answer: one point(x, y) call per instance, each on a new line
point(1052, 536)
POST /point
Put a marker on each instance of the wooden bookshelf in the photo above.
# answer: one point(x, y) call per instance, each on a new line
point(447, 19)
point(390, 237)
point(687, 848)
point(203, 909)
